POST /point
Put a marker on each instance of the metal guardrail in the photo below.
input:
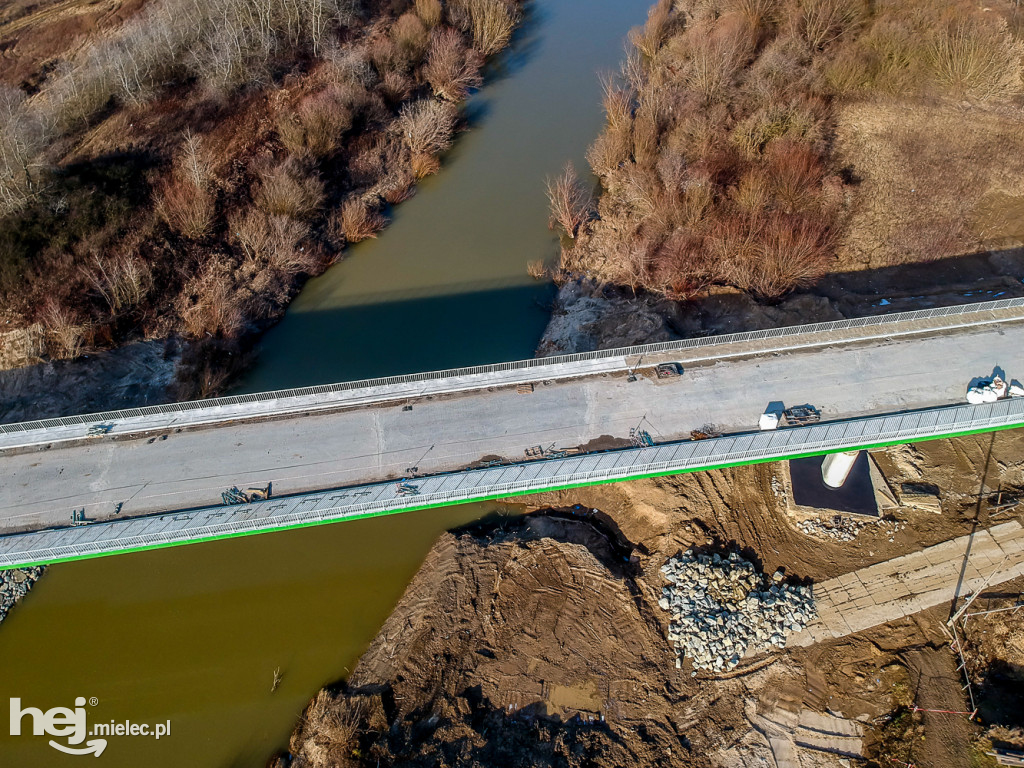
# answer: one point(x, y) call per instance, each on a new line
point(531, 364)
point(528, 477)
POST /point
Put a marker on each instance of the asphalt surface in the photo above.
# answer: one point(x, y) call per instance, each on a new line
point(187, 469)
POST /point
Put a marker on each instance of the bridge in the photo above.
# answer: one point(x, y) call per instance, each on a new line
point(98, 484)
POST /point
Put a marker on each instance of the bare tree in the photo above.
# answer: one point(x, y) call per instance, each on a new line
point(451, 69)
point(492, 23)
point(571, 201)
point(427, 126)
point(123, 282)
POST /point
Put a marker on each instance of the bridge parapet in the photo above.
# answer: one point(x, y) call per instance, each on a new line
point(152, 531)
point(278, 403)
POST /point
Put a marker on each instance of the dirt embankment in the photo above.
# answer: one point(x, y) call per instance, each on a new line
point(540, 641)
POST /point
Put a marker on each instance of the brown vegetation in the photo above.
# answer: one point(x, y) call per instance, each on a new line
point(184, 171)
point(720, 165)
point(571, 203)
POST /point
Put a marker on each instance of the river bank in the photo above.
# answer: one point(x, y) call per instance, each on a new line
point(196, 204)
point(587, 315)
point(15, 583)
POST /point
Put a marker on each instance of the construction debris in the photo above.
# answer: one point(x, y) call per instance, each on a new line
point(837, 527)
point(921, 496)
point(234, 495)
point(843, 528)
point(721, 608)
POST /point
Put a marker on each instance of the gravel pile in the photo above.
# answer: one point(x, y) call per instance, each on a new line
point(837, 528)
point(722, 608)
point(14, 585)
point(842, 528)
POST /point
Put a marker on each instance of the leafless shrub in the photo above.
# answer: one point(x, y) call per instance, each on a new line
point(649, 38)
point(608, 152)
point(186, 202)
point(618, 104)
point(397, 182)
point(971, 59)
point(756, 13)
point(209, 303)
point(429, 12)
point(123, 282)
point(385, 54)
point(356, 220)
point(646, 132)
point(536, 269)
point(23, 135)
point(319, 124)
point(752, 195)
point(350, 66)
point(411, 35)
point(185, 208)
point(823, 22)
point(285, 190)
point(571, 202)
point(396, 86)
point(491, 22)
point(274, 242)
point(64, 337)
point(789, 255)
point(452, 69)
point(427, 126)
point(795, 174)
point(327, 734)
point(713, 60)
point(776, 121)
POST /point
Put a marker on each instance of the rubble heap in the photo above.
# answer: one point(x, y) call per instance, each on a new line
point(721, 608)
point(838, 528)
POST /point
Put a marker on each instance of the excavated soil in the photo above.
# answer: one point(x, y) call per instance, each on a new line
point(540, 642)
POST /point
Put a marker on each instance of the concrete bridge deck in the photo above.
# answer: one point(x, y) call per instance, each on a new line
point(853, 370)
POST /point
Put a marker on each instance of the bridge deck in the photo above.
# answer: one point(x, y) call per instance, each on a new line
point(99, 538)
point(890, 367)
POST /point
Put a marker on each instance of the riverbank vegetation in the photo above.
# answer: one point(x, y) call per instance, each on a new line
point(180, 167)
point(758, 144)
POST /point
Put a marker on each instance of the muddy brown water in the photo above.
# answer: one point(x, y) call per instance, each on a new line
point(194, 634)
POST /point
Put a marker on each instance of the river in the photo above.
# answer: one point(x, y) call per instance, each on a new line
point(445, 285)
point(194, 634)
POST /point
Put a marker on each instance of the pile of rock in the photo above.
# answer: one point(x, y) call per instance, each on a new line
point(14, 585)
point(723, 608)
point(836, 528)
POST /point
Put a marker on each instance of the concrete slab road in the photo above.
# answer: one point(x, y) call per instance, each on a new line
point(179, 470)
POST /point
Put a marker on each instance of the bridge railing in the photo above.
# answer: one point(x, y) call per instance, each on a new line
point(533, 364)
point(505, 480)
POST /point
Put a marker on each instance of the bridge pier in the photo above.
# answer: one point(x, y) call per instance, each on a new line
point(836, 468)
